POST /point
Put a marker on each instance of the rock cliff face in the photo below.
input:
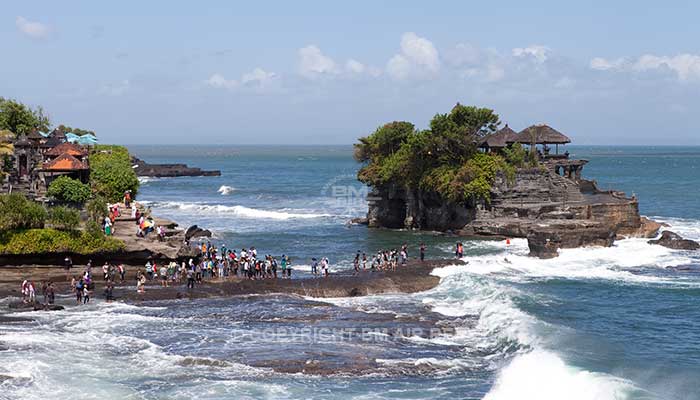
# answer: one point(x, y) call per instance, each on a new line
point(398, 208)
point(551, 211)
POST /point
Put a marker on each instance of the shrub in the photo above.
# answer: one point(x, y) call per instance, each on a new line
point(17, 212)
point(71, 190)
point(110, 172)
point(96, 208)
point(64, 218)
point(37, 241)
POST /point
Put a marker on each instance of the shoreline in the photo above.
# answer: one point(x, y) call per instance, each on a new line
point(415, 276)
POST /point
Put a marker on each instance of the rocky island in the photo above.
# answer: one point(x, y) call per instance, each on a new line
point(142, 168)
point(467, 176)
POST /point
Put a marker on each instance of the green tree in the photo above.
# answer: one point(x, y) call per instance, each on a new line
point(21, 119)
point(110, 172)
point(17, 212)
point(64, 218)
point(96, 208)
point(443, 159)
point(70, 190)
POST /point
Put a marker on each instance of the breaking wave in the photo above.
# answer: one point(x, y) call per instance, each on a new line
point(226, 190)
point(236, 211)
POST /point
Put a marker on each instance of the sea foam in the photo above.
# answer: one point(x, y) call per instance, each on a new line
point(236, 211)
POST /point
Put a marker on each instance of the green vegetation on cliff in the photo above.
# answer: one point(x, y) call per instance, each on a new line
point(22, 229)
point(39, 241)
point(110, 172)
point(443, 159)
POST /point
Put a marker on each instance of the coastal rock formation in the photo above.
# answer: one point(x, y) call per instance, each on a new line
point(397, 208)
point(544, 241)
point(143, 168)
point(550, 210)
point(194, 232)
point(674, 241)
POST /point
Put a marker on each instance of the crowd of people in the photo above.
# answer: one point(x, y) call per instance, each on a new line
point(213, 263)
point(216, 263)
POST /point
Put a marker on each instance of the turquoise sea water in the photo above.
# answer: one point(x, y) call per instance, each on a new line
point(594, 323)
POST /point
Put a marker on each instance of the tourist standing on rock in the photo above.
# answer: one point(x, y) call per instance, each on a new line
point(86, 294)
point(283, 263)
point(109, 289)
point(67, 265)
point(163, 276)
point(325, 267)
point(79, 290)
point(122, 272)
point(356, 262)
point(422, 252)
point(314, 266)
point(364, 261)
point(140, 282)
point(44, 290)
point(50, 294)
point(190, 278)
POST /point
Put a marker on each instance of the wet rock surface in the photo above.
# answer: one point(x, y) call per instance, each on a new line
point(674, 241)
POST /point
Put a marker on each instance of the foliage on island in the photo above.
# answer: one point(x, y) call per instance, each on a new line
point(23, 231)
point(69, 190)
point(443, 159)
point(111, 173)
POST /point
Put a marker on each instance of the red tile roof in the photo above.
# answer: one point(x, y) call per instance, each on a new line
point(65, 162)
point(67, 148)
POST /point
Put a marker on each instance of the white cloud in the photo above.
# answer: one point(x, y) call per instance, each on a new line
point(602, 64)
point(686, 66)
point(418, 58)
point(218, 81)
point(538, 52)
point(33, 29)
point(313, 63)
point(355, 66)
point(464, 54)
point(258, 77)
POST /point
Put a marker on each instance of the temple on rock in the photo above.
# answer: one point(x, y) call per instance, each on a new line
point(540, 139)
point(36, 160)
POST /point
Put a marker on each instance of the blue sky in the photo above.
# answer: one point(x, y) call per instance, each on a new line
point(322, 72)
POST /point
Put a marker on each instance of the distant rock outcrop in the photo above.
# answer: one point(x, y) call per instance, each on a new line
point(674, 241)
point(143, 168)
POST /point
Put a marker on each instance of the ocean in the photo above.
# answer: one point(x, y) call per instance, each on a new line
point(595, 323)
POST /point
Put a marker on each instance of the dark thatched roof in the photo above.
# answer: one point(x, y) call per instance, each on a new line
point(34, 135)
point(52, 141)
point(57, 133)
point(499, 139)
point(542, 134)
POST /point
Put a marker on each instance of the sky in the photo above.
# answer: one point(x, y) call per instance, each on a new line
point(327, 72)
